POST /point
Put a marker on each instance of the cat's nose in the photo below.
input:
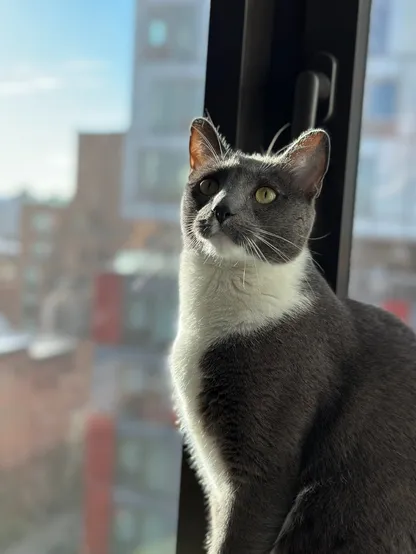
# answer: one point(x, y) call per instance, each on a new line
point(222, 212)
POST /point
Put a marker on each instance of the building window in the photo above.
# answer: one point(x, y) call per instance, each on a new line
point(32, 275)
point(30, 310)
point(170, 32)
point(378, 38)
point(43, 222)
point(30, 301)
point(381, 103)
point(173, 103)
point(157, 33)
point(366, 182)
point(162, 175)
point(164, 318)
point(42, 249)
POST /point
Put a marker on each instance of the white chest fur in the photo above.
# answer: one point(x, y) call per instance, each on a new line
point(214, 302)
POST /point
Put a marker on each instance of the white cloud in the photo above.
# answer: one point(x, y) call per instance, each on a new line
point(25, 80)
point(59, 161)
point(85, 65)
point(19, 87)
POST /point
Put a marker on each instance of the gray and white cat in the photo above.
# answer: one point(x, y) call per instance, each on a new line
point(298, 408)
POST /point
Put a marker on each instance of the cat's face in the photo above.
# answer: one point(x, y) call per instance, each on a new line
point(241, 207)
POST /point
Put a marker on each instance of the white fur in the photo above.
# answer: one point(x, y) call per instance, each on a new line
point(216, 299)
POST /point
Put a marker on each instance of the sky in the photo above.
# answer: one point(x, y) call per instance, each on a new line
point(65, 67)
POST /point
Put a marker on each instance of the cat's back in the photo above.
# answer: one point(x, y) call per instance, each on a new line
point(358, 484)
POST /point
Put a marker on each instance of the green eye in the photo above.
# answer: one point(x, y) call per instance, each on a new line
point(209, 187)
point(265, 195)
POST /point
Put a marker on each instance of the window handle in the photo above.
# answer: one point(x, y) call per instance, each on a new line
point(314, 94)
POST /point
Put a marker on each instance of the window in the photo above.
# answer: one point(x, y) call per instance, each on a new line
point(163, 174)
point(382, 102)
point(383, 268)
point(378, 40)
point(170, 32)
point(30, 311)
point(42, 249)
point(145, 463)
point(366, 180)
point(32, 275)
point(43, 222)
point(173, 103)
point(132, 74)
point(140, 530)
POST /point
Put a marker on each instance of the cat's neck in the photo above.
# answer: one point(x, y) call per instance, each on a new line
point(240, 297)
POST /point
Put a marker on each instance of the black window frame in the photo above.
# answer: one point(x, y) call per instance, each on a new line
point(256, 50)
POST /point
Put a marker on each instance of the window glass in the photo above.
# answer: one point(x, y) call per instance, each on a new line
point(383, 264)
point(42, 248)
point(378, 40)
point(96, 101)
point(173, 104)
point(33, 275)
point(163, 173)
point(365, 178)
point(382, 100)
point(170, 31)
point(43, 222)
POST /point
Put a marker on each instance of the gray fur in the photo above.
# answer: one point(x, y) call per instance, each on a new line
point(310, 412)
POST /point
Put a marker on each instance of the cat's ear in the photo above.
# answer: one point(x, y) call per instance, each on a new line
point(205, 144)
point(307, 159)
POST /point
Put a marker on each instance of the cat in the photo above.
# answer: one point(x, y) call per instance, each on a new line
point(298, 408)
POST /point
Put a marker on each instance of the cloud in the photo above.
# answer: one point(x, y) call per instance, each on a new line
point(36, 85)
point(70, 74)
point(85, 65)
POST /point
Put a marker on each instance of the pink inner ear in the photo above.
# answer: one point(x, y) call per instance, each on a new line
point(306, 148)
point(196, 151)
point(308, 160)
point(313, 140)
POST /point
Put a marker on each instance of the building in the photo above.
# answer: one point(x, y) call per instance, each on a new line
point(10, 210)
point(9, 284)
point(90, 233)
point(383, 262)
point(44, 383)
point(168, 91)
point(39, 223)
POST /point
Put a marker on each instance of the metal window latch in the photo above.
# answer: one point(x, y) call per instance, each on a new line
point(314, 94)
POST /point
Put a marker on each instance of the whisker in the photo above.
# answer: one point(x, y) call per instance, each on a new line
point(260, 253)
point(278, 237)
point(273, 248)
point(316, 238)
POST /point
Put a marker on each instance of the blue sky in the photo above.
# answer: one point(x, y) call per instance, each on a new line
point(65, 66)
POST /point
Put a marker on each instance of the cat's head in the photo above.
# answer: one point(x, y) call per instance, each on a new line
point(240, 207)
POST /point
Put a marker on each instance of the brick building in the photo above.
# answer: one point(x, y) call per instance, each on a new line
point(91, 231)
point(44, 384)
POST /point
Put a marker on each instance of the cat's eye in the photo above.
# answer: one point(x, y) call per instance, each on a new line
point(209, 187)
point(265, 195)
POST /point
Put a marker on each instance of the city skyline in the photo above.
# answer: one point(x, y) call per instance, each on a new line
point(57, 80)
